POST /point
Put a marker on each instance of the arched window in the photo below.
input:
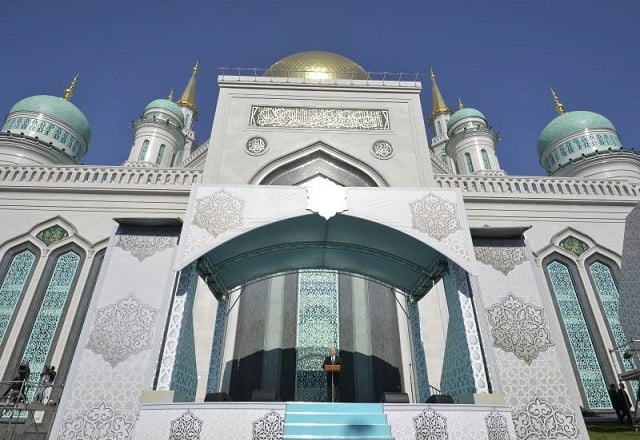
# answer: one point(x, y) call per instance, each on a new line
point(604, 284)
point(467, 158)
point(143, 150)
point(485, 159)
point(160, 154)
point(61, 277)
point(578, 334)
point(14, 282)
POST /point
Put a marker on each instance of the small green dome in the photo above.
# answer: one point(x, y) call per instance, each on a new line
point(464, 113)
point(57, 108)
point(167, 105)
point(569, 123)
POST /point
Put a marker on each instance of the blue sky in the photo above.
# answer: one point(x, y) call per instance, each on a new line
point(500, 57)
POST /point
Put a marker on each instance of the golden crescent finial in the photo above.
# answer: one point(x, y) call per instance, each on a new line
point(196, 66)
point(558, 105)
point(460, 104)
point(68, 93)
point(432, 75)
point(170, 97)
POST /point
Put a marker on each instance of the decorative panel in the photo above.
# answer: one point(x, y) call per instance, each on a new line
point(53, 304)
point(217, 346)
point(574, 245)
point(317, 331)
point(584, 355)
point(52, 234)
point(13, 285)
point(419, 359)
point(306, 117)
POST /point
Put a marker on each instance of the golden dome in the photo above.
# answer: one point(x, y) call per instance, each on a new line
point(317, 65)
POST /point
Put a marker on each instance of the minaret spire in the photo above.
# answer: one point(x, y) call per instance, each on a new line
point(188, 98)
point(558, 105)
point(437, 101)
point(68, 93)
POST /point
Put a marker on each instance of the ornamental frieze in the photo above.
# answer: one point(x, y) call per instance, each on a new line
point(306, 117)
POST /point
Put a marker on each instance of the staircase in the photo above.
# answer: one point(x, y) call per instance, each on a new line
point(336, 421)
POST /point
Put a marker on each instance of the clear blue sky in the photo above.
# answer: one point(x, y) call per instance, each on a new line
point(500, 57)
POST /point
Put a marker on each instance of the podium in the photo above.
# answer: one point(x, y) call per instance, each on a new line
point(332, 369)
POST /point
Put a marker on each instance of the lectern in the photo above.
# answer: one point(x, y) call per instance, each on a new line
point(332, 369)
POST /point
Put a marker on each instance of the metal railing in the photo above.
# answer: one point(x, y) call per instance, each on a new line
point(27, 408)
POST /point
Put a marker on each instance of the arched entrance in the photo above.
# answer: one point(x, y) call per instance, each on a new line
point(243, 236)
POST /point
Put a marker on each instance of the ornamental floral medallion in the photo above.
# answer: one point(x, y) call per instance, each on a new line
point(98, 423)
point(435, 216)
point(519, 327)
point(541, 420)
point(501, 258)
point(497, 428)
point(122, 329)
point(218, 213)
point(186, 427)
point(269, 427)
point(430, 425)
point(574, 245)
point(144, 246)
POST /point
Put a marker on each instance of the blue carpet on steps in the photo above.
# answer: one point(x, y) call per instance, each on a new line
point(338, 421)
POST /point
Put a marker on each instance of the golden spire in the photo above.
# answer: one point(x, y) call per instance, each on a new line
point(559, 106)
point(437, 102)
point(460, 104)
point(170, 97)
point(68, 93)
point(188, 98)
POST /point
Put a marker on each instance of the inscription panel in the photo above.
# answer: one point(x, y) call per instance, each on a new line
point(307, 117)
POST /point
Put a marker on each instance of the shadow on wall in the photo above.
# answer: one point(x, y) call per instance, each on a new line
point(246, 376)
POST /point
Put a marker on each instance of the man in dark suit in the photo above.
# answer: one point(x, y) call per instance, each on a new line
point(333, 379)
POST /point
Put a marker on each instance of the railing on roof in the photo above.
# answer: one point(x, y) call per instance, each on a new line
point(99, 175)
point(194, 155)
point(399, 79)
point(541, 186)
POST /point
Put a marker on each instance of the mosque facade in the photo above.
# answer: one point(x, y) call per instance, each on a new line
point(194, 291)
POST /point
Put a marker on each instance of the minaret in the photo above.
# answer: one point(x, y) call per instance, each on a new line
point(187, 103)
point(438, 120)
point(472, 142)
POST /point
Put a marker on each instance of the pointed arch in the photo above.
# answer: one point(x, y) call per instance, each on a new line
point(318, 159)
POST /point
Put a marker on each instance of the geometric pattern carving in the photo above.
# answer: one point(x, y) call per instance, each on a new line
point(430, 425)
point(218, 213)
point(501, 258)
point(574, 245)
point(382, 149)
point(186, 427)
point(52, 234)
point(541, 420)
point(496, 426)
point(519, 327)
point(98, 423)
point(269, 427)
point(435, 216)
point(122, 329)
point(144, 246)
point(318, 328)
point(13, 285)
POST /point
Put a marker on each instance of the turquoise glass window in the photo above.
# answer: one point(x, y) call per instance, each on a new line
point(160, 154)
point(53, 305)
point(143, 150)
point(13, 286)
point(485, 159)
point(582, 349)
point(467, 158)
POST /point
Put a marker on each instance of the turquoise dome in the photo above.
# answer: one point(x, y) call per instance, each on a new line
point(464, 113)
point(569, 123)
point(57, 108)
point(167, 105)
